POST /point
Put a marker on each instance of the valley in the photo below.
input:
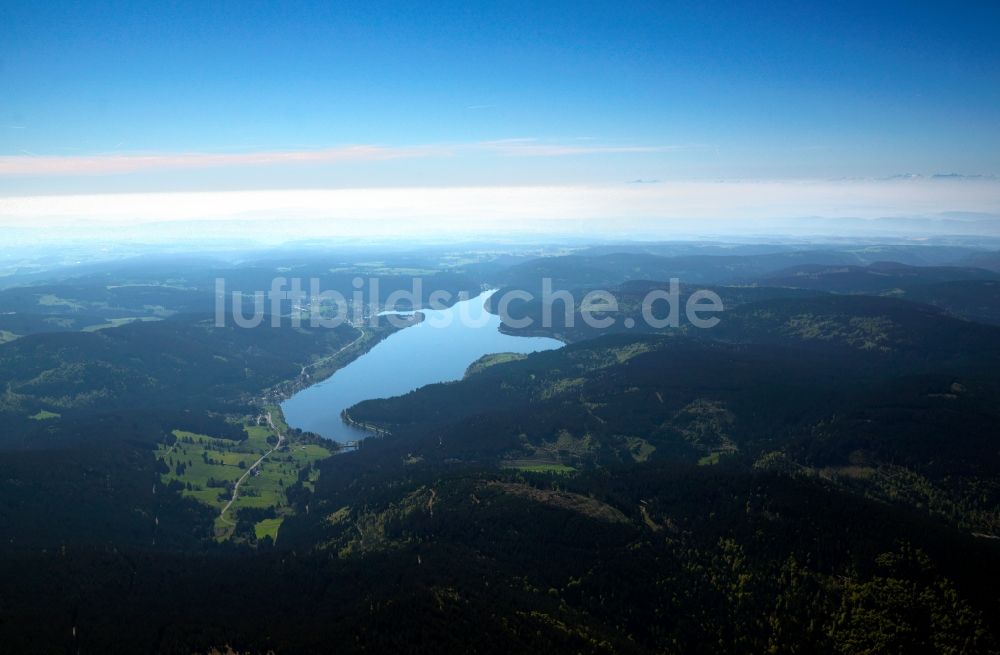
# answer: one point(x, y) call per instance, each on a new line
point(499, 328)
point(832, 448)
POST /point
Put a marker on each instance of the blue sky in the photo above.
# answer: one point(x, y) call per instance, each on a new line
point(115, 96)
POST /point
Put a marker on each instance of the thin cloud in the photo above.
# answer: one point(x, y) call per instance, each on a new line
point(129, 163)
point(536, 148)
point(116, 162)
point(727, 205)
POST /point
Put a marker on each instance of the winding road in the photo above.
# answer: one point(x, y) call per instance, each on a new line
point(281, 437)
point(236, 487)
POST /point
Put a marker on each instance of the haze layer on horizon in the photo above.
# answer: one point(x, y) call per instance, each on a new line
point(656, 119)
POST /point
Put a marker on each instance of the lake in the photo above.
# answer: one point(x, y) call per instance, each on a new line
point(439, 349)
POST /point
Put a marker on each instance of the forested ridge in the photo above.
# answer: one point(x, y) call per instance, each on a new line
point(820, 473)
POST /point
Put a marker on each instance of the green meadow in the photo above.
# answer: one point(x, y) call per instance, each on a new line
point(207, 468)
point(535, 466)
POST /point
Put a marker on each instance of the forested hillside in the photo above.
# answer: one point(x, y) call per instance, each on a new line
point(817, 473)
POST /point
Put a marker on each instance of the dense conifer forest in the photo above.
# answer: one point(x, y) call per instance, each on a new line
point(818, 473)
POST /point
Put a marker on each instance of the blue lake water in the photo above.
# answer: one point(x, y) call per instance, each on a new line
point(437, 350)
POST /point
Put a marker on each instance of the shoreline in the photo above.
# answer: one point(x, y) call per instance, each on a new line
point(375, 429)
point(332, 363)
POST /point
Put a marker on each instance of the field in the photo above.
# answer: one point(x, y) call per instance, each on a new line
point(207, 467)
point(268, 528)
point(118, 322)
point(536, 466)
